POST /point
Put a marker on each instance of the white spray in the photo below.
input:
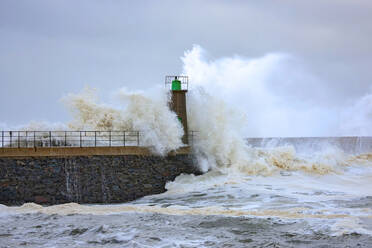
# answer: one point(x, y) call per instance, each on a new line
point(159, 127)
point(245, 85)
point(230, 99)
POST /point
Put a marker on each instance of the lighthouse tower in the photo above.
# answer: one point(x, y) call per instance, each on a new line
point(178, 86)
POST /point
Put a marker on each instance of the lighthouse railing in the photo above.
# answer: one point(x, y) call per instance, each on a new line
point(184, 81)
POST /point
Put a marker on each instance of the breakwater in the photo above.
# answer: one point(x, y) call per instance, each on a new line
point(53, 175)
point(350, 145)
point(61, 175)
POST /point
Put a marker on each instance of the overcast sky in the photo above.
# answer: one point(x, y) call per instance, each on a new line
point(50, 48)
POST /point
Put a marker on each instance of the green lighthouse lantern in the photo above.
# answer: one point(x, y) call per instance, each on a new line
point(176, 84)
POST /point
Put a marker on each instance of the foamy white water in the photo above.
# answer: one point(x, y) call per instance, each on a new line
point(291, 205)
point(307, 193)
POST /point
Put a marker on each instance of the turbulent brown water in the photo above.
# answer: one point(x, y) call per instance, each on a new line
point(321, 198)
point(274, 192)
point(159, 230)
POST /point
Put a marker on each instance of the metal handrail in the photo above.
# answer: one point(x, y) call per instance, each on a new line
point(26, 139)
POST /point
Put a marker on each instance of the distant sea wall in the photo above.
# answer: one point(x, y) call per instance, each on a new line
point(87, 178)
point(351, 145)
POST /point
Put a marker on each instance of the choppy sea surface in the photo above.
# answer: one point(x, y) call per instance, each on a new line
point(307, 201)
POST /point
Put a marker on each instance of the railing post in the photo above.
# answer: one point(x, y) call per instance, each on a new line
point(34, 140)
point(26, 140)
point(110, 138)
point(124, 138)
point(65, 138)
point(50, 139)
point(19, 144)
point(95, 138)
point(10, 138)
point(2, 139)
point(80, 138)
point(138, 141)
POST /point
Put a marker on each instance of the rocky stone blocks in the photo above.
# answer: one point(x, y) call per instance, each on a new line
point(88, 179)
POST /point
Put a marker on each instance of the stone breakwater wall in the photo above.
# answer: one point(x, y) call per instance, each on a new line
point(351, 145)
point(88, 179)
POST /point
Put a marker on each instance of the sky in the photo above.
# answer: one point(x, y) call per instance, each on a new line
point(51, 48)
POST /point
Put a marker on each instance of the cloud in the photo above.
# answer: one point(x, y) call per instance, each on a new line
point(50, 48)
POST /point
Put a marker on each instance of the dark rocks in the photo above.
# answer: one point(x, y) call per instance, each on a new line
point(87, 179)
point(115, 188)
point(147, 186)
point(39, 199)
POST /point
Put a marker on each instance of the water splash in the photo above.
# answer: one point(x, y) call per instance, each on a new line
point(159, 127)
point(232, 98)
point(229, 99)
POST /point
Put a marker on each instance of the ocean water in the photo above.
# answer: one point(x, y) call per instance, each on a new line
point(280, 192)
point(307, 196)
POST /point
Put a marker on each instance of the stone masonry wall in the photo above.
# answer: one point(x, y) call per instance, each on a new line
point(87, 179)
